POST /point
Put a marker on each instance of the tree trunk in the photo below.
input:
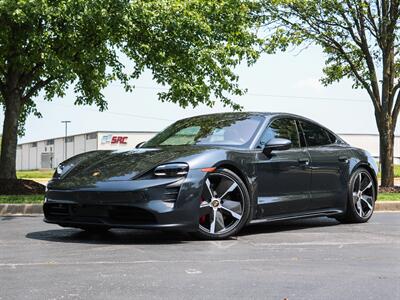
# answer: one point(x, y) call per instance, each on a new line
point(10, 136)
point(386, 137)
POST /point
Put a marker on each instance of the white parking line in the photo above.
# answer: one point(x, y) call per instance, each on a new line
point(54, 263)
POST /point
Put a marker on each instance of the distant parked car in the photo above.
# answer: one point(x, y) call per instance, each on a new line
point(214, 174)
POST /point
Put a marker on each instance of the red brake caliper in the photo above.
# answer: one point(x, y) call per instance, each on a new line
point(202, 219)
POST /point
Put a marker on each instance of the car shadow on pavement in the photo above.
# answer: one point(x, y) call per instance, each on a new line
point(279, 226)
point(114, 236)
point(7, 218)
point(131, 236)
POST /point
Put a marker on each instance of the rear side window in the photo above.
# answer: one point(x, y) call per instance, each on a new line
point(281, 128)
point(315, 135)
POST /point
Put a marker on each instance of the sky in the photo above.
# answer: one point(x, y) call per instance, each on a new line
point(285, 82)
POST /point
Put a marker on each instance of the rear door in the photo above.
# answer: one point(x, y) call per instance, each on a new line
point(283, 178)
point(329, 167)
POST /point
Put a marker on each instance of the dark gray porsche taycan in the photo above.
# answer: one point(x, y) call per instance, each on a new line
point(214, 174)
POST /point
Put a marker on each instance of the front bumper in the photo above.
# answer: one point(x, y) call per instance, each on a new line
point(142, 204)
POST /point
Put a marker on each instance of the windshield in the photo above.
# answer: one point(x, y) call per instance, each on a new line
point(233, 129)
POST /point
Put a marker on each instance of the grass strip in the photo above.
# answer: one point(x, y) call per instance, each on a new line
point(21, 199)
point(389, 197)
point(35, 174)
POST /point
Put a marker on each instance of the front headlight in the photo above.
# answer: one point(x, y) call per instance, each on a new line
point(171, 170)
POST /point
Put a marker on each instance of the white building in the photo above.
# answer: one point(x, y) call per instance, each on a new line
point(370, 142)
point(47, 154)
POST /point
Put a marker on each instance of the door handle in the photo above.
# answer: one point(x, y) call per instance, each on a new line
point(304, 161)
point(343, 159)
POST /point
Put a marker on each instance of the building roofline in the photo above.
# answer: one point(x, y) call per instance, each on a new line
point(89, 132)
point(123, 131)
point(153, 131)
point(370, 134)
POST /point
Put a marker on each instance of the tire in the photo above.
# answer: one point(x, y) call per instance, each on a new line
point(224, 206)
point(361, 199)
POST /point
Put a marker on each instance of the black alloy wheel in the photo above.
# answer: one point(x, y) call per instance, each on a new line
point(224, 205)
point(362, 196)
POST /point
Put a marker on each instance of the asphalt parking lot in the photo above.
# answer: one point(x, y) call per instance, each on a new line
point(307, 259)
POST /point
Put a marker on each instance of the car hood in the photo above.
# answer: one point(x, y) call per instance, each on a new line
point(122, 165)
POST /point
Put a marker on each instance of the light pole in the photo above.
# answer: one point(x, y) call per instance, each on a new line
point(65, 139)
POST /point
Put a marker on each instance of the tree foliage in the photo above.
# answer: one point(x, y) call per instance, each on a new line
point(190, 46)
point(360, 39)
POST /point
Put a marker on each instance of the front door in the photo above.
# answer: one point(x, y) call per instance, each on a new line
point(283, 178)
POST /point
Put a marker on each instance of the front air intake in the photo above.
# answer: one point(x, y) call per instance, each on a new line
point(171, 194)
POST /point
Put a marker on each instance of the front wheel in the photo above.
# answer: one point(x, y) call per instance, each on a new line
point(362, 196)
point(224, 205)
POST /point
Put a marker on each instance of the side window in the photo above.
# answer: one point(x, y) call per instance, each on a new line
point(332, 138)
point(281, 128)
point(315, 135)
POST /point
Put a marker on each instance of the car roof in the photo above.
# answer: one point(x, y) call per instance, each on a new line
point(270, 115)
point(258, 113)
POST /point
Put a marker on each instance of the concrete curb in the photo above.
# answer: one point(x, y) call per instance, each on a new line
point(35, 209)
point(20, 209)
point(387, 206)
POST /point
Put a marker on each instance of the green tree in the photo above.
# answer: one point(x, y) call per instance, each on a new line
point(361, 41)
point(190, 46)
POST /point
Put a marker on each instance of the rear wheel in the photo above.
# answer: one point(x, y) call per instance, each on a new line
point(362, 196)
point(224, 205)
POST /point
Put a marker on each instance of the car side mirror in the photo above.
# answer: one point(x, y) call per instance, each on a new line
point(139, 145)
point(277, 144)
